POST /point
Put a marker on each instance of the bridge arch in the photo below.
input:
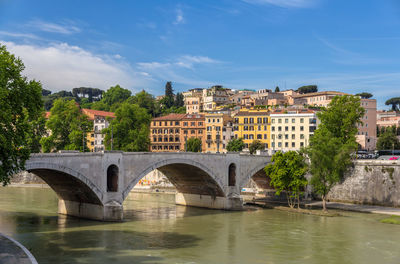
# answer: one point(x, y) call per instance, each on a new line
point(188, 176)
point(258, 175)
point(68, 184)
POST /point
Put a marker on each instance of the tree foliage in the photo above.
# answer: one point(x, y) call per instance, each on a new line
point(130, 129)
point(287, 173)
point(277, 89)
point(193, 144)
point(21, 108)
point(255, 145)
point(145, 100)
point(333, 142)
point(388, 140)
point(69, 127)
point(307, 89)
point(92, 94)
point(112, 99)
point(394, 102)
point(364, 95)
point(235, 145)
point(179, 102)
point(168, 99)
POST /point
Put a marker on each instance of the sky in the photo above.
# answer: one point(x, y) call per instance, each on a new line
point(349, 46)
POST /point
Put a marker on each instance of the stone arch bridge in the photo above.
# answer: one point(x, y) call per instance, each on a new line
point(94, 185)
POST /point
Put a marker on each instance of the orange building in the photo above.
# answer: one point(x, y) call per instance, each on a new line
point(193, 126)
point(165, 133)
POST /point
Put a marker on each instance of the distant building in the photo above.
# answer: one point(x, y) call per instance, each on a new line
point(291, 129)
point(193, 126)
point(219, 131)
point(387, 119)
point(95, 139)
point(165, 133)
point(215, 96)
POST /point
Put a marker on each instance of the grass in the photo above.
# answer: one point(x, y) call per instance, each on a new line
point(393, 219)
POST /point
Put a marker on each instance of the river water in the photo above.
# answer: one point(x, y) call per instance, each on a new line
point(155, 230)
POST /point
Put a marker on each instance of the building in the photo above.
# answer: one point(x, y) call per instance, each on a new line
point(291, 129)
point(252, 124)
point(165, 133)
point(219, 131)
point(193, 105)
point(318, 98)
point(100, 119)
point(387, 119)
point(193, 126)
point(366, 135)
point(215, 96)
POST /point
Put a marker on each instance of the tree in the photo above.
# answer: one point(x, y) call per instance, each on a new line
point(45, 92)
point(235, 145)
point(168, 100)
point(68, 125)
point(287, 173)
point(92, 94)
point(130, 129)
point(144, 100)
point(21, 107)
point(364, 95)
point(307, 89)
point(112, 99)
point(193, 145)
point(179, 102)
point(333, 143)
point(388, 140)
point(394, 102)
point(255, 145)
point(277, 89)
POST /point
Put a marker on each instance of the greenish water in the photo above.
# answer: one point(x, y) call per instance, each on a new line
point(157, 231)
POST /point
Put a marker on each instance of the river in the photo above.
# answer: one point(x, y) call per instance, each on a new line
point(155, 230)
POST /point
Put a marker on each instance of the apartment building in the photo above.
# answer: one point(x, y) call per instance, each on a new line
point(193, 100)
point(366, 135)
point(100, 119)
point(193, 126)
point(215, 96)
point(252, 124)
point(291, 129)
point(165, 133)
point(318, 98)
point(387, 119)
point(219, 131)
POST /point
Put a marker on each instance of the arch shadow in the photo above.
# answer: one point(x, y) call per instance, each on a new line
point(187, 176)
point(259, 177)
point(68, 184)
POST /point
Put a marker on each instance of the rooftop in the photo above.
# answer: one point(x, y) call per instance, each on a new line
point(319, 94)
point(93, 113)
point(170, 117)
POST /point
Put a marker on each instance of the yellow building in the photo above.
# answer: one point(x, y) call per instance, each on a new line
point(252, 124)
point(219, 131)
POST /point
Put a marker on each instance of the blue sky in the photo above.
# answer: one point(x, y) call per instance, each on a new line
point(350, 46)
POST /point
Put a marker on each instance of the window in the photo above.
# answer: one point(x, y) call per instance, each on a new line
point(279, 144)
point(251, 128)
point(170, 123)
point(301, 136)
point(251, 136)
point(177, 130)
point(112, 178)
point(200, 131)
point(301, 144)
point(154, 139)
point(185, 123)
point(200, 123)
point(246, 120)
point(293, 136)
point(293, 128)
point(286, 136)
point(286, 128)
point(259, 136)
point(293, 145)
point(259, 120)
point(192, 123)
point(245, 136)
point(279, 128)
point(265, 120)
point(272, 128)
point(192, 131)
point(286, 144)
point(279, 120)
point(293, 120)
point(301, 120)
point(301, 128)
point(251, 120)
point(273, 120)
point(245, 128)
point(265, 136)
point(286, 120)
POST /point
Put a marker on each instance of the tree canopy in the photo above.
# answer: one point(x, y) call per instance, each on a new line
point(277, 89)
point(307, 89)
point(364, 95)
point(388, 140)
point(333, 143)
point(129, 130)
point(255, 145)
point(287, 173)
point(92, 94)
point(69, 127)
point(235, 145)
point(21, 108)
point(193, 145)
point(394, 102)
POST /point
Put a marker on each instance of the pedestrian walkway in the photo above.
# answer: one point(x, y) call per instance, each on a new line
point(12, 252)
point(358, 208)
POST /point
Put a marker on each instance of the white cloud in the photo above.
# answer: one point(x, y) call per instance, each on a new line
point(179, 19)
point(53, 27)
point(18, 35)
point(63, 67)
point(187, 61)
point(284, 3)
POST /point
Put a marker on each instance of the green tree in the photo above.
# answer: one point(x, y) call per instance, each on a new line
point(69, 127)
point(388, 140)
point(277, 89)
point(255, 145)
point(21, 107)
point(333, 143)
point(193, 145)
point(287, 173)
point(235, 145)
point(179, 102)
point(364, 95)
point(394, 102)
point(174, 109)
point(168, 100)
point(112, 99)
point(307, 89)
point(144, 100)
point(130, 129)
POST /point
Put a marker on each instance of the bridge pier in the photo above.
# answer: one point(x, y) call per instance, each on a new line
point(207, 201)
point(110, 212)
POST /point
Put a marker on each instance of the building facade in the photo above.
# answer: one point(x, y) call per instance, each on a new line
point(100, 119)
point(193, 126)
point(219, 132)
point(291, 129)
point(165, 133)
point(252, 124)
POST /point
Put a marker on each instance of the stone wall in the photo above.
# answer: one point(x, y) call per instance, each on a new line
point(374, 182)
point(25, 177)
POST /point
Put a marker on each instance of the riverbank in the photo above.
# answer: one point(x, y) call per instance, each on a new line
point(11, 251)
